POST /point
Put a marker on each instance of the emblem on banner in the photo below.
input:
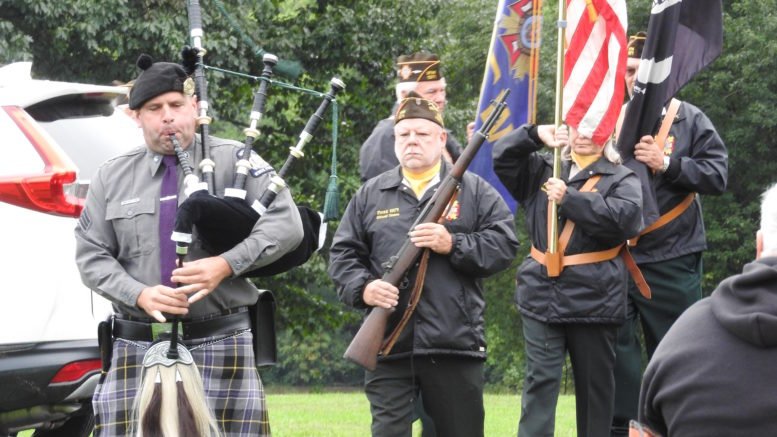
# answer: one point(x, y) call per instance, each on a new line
point(517, 36)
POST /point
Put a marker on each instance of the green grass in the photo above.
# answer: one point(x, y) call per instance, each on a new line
point(347, 414)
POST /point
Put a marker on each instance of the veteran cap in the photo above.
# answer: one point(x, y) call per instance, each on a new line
point(418, 67)
point(635, 45)
point(158, 78)
point(415, 106)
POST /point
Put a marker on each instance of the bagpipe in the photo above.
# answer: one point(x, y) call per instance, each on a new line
point(223, 222)
point(219, 224)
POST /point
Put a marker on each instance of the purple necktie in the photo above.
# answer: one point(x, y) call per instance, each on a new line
point(168, 204)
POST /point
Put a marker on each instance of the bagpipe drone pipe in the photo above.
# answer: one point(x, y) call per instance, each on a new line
point(223, 222)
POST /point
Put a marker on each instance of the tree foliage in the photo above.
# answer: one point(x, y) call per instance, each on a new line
point(97, 42)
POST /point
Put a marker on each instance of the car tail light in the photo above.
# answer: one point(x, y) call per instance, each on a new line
point(76, 370)
point(49, 191)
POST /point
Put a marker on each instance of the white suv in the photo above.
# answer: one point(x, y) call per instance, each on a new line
point(54, 136)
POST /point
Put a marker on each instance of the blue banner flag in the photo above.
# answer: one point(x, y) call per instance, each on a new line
point(513, 60)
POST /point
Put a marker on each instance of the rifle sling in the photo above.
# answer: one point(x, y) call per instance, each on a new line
point(415, 294)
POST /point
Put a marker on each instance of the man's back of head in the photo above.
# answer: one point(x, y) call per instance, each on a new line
point(707, 374)
point(768, 231)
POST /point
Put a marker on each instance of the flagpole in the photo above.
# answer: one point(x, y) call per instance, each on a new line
point(562, 25)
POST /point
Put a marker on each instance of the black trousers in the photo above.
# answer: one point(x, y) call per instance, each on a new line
point(675, 285)
point(591, 350)
point(451, 389)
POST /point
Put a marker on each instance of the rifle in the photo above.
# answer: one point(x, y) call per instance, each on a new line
point(367, 342)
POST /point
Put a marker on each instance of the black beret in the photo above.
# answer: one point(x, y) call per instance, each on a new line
point(418, 67)
point(636, 44)
point(158, 78)
point(415, 106)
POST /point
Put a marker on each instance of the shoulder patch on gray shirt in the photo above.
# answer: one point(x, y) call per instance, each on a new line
point(85, 222)
point(258, 165)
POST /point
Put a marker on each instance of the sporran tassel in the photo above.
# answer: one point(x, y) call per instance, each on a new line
point(191, 395)
point(172, 402)
point(186, 417)
point(150, 408)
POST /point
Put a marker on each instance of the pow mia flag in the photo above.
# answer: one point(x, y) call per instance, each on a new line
point(683, 37)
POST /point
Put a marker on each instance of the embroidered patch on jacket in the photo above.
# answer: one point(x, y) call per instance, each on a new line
point(386, 213)
point(256, 172)
point(669, 145)
point(453, 212)
point(259, 166)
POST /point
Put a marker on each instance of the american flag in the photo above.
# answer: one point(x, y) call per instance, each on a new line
point(594, 66)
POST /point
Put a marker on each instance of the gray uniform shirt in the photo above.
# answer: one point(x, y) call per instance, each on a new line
point(117, 238)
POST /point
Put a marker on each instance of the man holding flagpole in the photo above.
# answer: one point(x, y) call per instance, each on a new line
point(571, 292)
point(693, 160)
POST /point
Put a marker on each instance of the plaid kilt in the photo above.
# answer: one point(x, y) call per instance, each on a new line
point(231, 381)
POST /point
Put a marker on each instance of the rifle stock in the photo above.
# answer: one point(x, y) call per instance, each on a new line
point(366, 344)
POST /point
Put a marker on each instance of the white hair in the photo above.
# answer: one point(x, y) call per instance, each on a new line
point(769, 220)
point(403, 88)
point(609, 152)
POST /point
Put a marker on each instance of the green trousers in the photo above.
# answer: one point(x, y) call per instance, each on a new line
point(675, 285)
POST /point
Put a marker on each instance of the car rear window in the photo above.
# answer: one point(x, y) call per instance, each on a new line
point(72, 106)
point(88, 128)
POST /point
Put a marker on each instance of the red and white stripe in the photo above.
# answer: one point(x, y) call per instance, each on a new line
point(594, 66)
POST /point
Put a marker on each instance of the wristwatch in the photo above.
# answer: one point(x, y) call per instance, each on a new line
point(665, 167)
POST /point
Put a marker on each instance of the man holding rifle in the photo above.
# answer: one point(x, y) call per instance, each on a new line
point(441, 350)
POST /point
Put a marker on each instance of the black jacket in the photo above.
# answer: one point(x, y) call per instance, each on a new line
point(377, 155)
point(698, 164)
point(713, 373)
point(604, 218)
point(449, 316)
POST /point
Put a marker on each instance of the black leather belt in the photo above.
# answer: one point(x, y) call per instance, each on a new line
point(190, 329)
